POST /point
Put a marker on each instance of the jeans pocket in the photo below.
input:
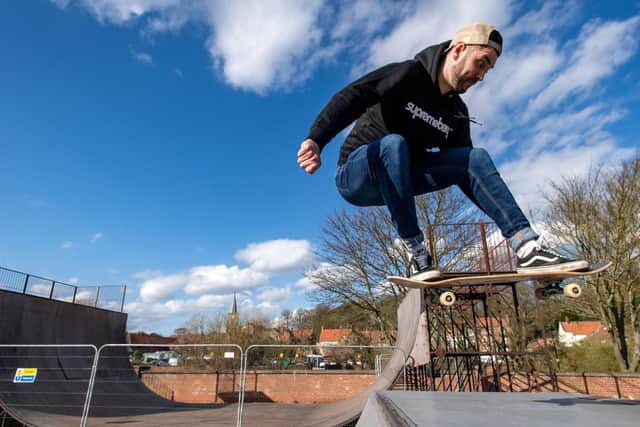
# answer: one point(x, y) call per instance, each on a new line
point(342, 179)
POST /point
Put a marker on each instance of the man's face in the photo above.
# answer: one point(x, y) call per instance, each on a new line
point(470, 66)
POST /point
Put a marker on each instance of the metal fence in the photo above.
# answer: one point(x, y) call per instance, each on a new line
point(81, 382)
point(105, 297)
point(47, 377)
point(471, 248)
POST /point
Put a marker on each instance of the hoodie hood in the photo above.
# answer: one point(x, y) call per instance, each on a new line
point(431, 58)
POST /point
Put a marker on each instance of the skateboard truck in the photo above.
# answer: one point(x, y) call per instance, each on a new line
point(548, 288)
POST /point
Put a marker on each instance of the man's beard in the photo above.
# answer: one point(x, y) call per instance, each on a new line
point(463, 84)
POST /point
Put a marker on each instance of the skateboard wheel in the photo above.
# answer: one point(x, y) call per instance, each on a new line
point(572, 290)
point(447, 298)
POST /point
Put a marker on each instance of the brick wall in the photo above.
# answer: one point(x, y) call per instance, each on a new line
point(331, 386)
point(261, 386)
point(625, 386)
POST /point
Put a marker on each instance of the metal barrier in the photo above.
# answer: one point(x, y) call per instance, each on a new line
point(106, 297)
point(68, 372)
point(59, 375)
point(193, 356)
point(292, 350)
point(473, 247)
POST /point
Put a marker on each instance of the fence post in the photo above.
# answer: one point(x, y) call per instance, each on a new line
point(26, 283)
point(485, 249)
point(97, 297)
point(124, 294)
point(53, 287)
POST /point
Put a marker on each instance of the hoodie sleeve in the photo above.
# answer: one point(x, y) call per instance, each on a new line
point(352, 101)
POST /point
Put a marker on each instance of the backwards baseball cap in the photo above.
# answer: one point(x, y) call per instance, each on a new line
point(478, 34)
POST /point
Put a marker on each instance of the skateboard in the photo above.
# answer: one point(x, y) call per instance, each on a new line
point(550, 283)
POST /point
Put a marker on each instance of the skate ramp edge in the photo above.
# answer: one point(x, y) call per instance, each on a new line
point(36, 320)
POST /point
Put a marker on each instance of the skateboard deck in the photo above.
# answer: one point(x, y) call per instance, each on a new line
point(486, 279)
point(549, 282)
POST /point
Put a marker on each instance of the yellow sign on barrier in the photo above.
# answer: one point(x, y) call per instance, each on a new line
point(25, 375)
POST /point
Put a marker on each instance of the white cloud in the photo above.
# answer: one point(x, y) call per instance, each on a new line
point(162, 287)
point(216, 279)
point(563, 145)
point(66, 245)
point(274, 294)
point(258, 44)
point(221, 278)
point(598, 51)
point(278, 256)
point(306, 285)
point(142, 57)
point(120, 11)
point(433, 22)
point(147, 312)
point(551, 16)
point(96, 237)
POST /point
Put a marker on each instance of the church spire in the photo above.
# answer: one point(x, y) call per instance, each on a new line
point(234, 307)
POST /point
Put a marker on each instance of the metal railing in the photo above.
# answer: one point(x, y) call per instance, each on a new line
point(80, 361)
point(105, 297)
point(334, 348)
point(100, 355)
point(474, 247)
point(87, 370)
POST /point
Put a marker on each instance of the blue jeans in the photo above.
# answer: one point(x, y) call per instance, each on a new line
point(383, 173)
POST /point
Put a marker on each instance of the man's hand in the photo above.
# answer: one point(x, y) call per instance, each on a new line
point(309, 156)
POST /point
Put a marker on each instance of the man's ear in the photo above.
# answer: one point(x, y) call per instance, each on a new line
point(458, 49)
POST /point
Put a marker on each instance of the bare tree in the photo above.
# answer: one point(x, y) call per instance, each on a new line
point(286, 318)
point(598, 217)
point(196, 324)
point(357, 251)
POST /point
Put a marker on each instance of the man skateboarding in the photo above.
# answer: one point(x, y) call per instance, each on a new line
point(412, 137)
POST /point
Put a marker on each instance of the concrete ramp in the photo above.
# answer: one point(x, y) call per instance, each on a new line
point(440, 409)
point(119, 397)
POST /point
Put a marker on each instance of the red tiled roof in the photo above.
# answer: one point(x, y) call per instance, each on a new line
point(303, 333)
point(583, 328)
point(333, 335)
point(144, 338)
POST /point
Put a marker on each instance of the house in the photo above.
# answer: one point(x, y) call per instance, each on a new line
point(333, 336)
point(135, 338)
point(570, 333)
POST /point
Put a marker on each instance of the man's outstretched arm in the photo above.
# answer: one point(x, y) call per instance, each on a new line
point(345, 107)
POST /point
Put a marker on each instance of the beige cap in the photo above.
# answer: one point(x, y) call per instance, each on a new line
point(478, 34)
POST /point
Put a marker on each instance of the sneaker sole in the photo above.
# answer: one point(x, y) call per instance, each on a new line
point(427, 275)
point(567, 266)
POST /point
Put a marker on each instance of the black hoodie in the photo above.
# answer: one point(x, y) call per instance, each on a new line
point(400, 98)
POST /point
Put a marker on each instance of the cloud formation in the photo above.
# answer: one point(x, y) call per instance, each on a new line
point(280, 256)
point(216, 279)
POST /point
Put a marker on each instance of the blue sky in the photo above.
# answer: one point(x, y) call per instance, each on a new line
point(153, 142)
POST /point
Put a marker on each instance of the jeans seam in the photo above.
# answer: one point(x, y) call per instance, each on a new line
point(484, 190)
point(492, 199)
